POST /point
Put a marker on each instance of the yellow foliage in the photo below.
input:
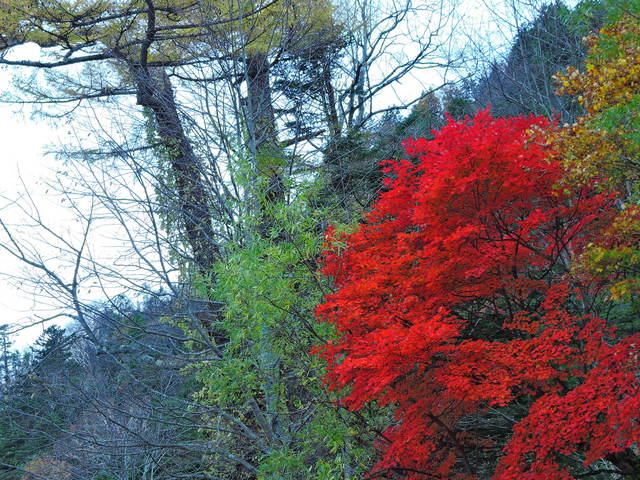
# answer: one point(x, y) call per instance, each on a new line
point(258, 26)
point(603, 143)
point(46, 467)
point(615, 257)
point(239, 26)
point(97, 24)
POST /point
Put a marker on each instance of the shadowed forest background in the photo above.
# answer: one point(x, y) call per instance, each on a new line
point(216, 143)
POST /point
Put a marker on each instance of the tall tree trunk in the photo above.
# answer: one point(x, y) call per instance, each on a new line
point(331, 109)
point(154, 91)
point(265, 147)
point(269, 157)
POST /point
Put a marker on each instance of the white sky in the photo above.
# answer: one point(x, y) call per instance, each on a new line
point(25, 167)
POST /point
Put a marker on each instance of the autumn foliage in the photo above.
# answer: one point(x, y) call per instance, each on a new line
point(604, 142)
point(456, 304)
point(603, 145)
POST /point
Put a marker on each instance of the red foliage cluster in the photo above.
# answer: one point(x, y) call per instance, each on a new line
point(454, 302)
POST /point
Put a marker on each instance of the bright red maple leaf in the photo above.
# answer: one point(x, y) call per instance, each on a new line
point(455, 300)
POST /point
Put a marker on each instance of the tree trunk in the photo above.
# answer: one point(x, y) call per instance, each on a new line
point(331, 109)
point(269, 158)
point(154, 91)
point(264, 145)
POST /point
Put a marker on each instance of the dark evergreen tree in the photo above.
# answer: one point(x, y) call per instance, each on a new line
point(5, 357)
point(51, 350)
point(522, 82)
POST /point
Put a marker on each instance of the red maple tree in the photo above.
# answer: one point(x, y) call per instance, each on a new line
point(455, 303)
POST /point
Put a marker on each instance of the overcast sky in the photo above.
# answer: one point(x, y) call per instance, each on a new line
point(24, 168)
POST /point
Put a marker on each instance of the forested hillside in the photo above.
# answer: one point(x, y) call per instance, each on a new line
point(327, 240)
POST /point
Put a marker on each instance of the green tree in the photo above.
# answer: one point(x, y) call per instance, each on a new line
point(51, 350)
point(38, 406)
point(5, 356)
point(267, 374)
